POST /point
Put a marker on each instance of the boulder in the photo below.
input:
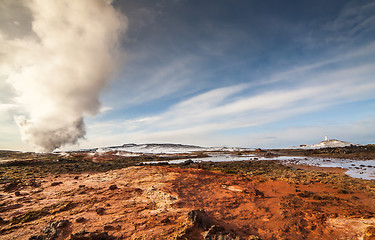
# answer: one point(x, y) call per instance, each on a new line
point(113, 187)
point(56, 183)
point(217, 233)
point(100, 211)
point(12, 186)
point(187, 162)
point(92, 236)
point(80, 220)
point(51, 231)
point(199, 218)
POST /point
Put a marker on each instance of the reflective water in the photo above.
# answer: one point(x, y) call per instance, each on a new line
point(364, 169)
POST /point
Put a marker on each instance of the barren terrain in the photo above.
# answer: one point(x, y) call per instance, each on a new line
point(78, 197)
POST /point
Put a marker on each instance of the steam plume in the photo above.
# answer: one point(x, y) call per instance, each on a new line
point(60, 65)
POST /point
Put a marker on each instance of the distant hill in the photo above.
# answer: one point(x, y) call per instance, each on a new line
point(328, 144)
point(163, 148)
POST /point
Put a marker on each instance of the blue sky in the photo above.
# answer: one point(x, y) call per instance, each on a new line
point(236, 73)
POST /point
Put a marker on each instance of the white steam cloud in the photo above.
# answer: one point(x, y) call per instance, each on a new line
point(59, 64)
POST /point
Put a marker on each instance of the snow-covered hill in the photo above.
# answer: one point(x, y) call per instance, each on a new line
point(167, 148)
point(328, 144)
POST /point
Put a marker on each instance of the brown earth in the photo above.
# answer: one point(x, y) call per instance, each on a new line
point(315, 168)
point(363, 152)
point(155, 202)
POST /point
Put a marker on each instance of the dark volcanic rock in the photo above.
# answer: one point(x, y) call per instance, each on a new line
point(92, 236)
point(113, 187)
point(38, 237)
point(62, 224)
point(54, 228)
point(213, 232)
point(218, 232)
point(165, 220)
point(258, 193)
point(80, 220)
point(187, 162)
point(11, 186)
point(51, 231)
point(200, 219)
point(109, 228)
point(100, 211)
point(56, 183)
point(33, 183)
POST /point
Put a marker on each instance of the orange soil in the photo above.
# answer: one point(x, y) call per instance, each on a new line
point(152, 202)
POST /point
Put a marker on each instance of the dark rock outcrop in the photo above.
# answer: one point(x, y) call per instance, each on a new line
point(81, 220)
point(187, 162)
point(92, 236)
point(200, 219)
point(56, 183)
point(113, 187)
point(217, 232)
point(51, 231)
point(100, 211)
point(12, 186)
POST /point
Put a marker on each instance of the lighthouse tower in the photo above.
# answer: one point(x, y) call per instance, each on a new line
point(325, 138)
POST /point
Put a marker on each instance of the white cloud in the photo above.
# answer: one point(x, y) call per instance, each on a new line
point(152, 81)
point(200, 118)
point(273, 105)
point(104, 109)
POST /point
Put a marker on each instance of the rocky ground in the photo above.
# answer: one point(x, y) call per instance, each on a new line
point(351, 152)
point(79, 197)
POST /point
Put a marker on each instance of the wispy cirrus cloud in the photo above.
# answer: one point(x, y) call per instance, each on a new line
point(205, 115)
point(327, 88)
point(354, 19)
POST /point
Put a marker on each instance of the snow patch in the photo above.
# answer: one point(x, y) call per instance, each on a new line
point(327, 144)
point(163, 149)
